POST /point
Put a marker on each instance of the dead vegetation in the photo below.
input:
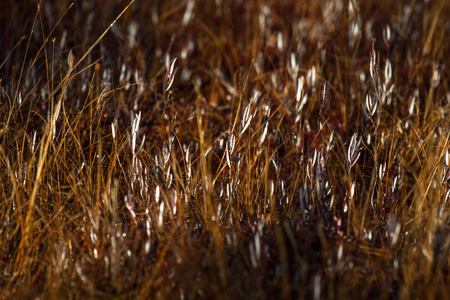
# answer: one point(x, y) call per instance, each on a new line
point(224, 149)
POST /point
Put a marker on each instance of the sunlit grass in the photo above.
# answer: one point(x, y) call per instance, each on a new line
point(224, 149)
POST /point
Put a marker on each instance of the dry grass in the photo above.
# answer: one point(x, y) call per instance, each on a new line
point(224, 149)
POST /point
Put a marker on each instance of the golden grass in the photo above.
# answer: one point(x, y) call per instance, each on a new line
point(224, 149)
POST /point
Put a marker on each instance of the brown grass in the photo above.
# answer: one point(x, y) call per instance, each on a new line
point(224, 149)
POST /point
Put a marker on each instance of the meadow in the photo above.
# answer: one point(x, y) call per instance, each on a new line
point(223, 149)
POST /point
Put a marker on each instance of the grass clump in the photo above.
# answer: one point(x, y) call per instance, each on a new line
point(219, 149)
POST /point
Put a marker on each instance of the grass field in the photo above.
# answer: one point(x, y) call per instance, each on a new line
point(224, 149)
